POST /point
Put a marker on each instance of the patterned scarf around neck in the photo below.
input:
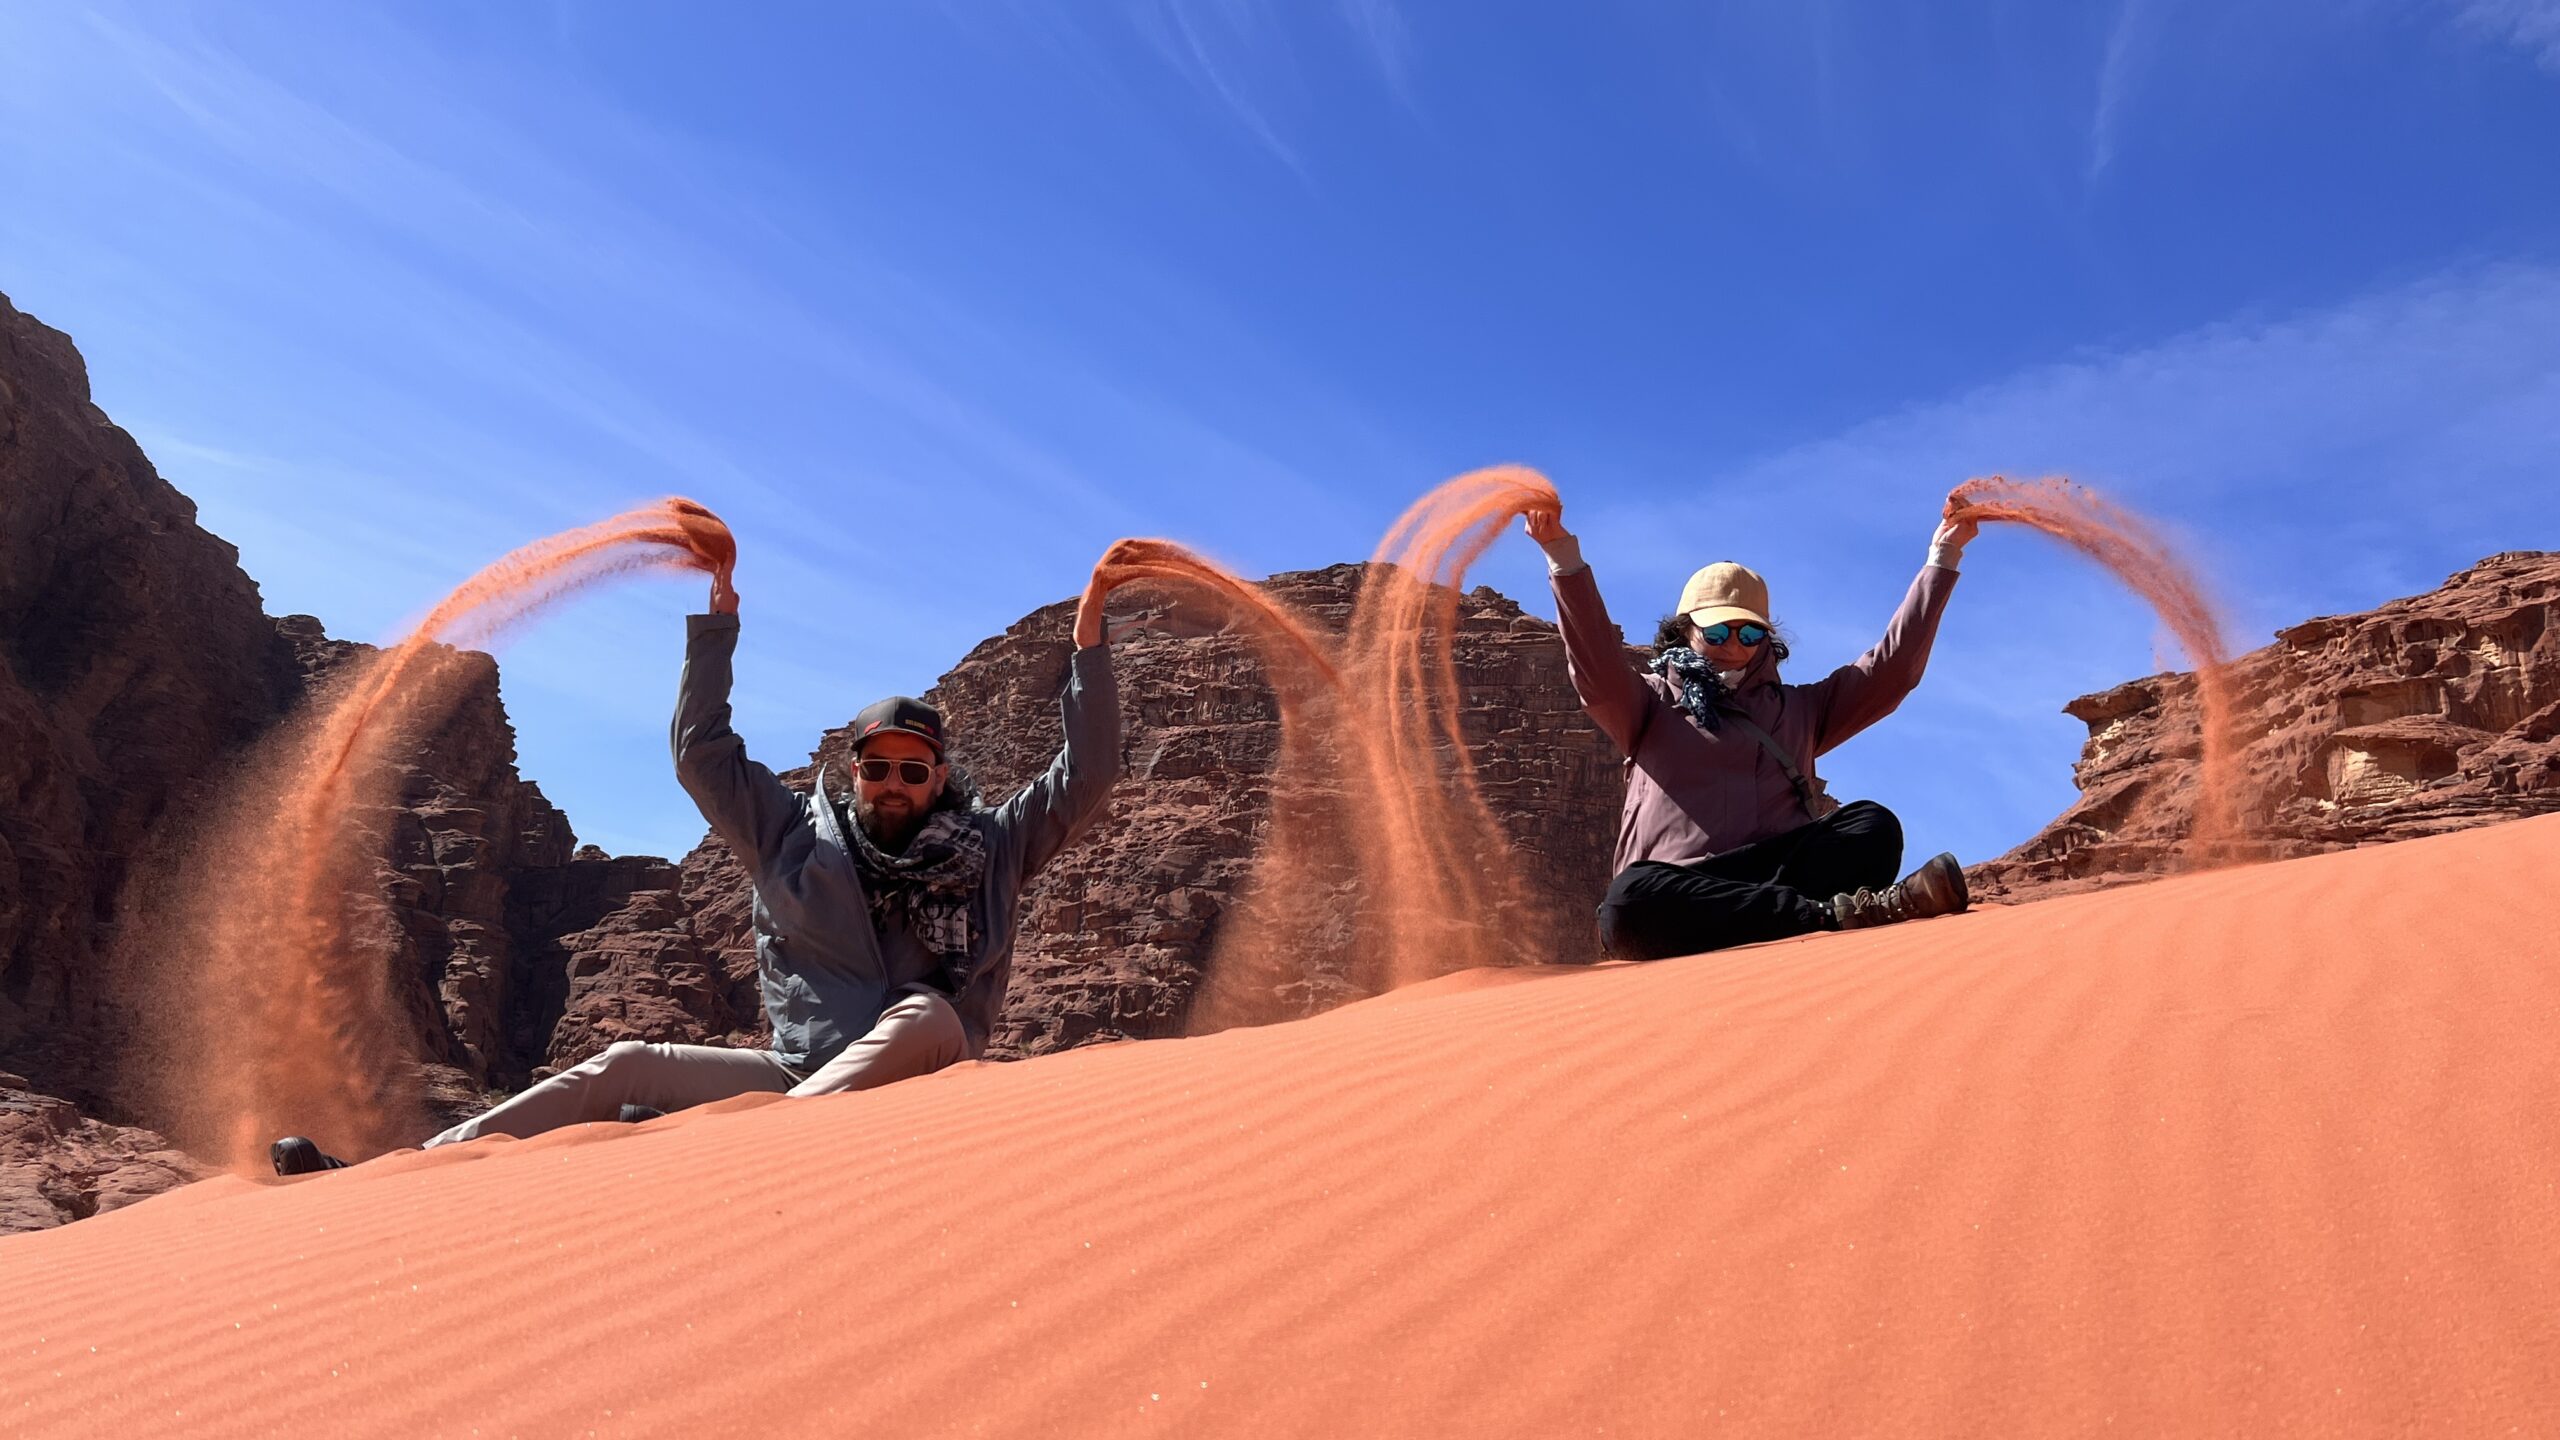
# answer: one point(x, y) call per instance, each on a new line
point(1702, 690)
point(930, 886)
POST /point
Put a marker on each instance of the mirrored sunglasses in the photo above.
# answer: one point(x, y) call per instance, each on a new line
point(1749, 634)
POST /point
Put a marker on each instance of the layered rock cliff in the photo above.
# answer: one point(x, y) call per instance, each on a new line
point(2428, 714)
point(137, 660)
point(58, 1165)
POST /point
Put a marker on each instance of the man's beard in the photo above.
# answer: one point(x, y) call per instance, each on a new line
point(889, 827)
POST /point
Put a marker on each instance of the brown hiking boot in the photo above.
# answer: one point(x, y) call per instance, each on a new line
point(1936, 888)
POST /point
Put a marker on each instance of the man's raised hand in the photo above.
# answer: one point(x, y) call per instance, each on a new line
point(1089, 614)
point(724, 592)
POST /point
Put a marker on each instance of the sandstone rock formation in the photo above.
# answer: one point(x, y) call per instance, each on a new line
point(58, 1165)
point(610, 949)
point(134, 659)
point(2429, 714)
point(1117, 932)
point(464, 830)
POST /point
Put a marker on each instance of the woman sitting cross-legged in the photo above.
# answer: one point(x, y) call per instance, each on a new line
point(1727, 838)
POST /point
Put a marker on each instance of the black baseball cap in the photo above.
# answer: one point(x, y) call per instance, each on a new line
point(902, 713)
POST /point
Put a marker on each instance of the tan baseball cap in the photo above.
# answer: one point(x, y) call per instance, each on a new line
point(1726, 591)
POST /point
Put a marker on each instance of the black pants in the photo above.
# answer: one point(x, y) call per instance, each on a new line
point(1767, 890)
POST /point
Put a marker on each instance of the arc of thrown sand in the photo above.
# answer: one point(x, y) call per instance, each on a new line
point(328, 1001)
point(1285, 635)
point(2139, 556)
point(1423, 561)
point(675, 533)
point(1301, 667)
point(1394, 706)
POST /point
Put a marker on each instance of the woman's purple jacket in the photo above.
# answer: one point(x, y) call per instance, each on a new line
point(1693, 793)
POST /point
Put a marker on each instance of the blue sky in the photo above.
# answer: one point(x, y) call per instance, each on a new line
point(935, 301)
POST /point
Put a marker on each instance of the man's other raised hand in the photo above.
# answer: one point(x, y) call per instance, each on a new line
point(1089, 614)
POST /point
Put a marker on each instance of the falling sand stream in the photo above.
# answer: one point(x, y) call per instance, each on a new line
point(1379, 851)
point(2137, 555)
point(1380, 859)
point(285, 1003)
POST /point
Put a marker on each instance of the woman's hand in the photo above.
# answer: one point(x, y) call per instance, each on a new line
point(1564, 553)
point(1089, 614)
point(1946, 548)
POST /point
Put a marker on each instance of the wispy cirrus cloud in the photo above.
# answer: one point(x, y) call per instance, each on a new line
point(1220, 47)
point(1244, 56)
point(2532, 26)
point(1382, 32)
point(2130, 41)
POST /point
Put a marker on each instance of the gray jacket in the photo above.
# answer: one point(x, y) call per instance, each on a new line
point(826, 970)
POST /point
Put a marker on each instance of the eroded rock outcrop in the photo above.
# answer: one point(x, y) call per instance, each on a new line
point(2429, 714)
point(134, 659)
point(609, 949)
point(463, 830)
point(58, 1165)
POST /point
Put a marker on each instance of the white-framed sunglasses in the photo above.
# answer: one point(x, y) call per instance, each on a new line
point(909, 772)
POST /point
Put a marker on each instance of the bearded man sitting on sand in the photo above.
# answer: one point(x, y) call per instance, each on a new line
point(884, 927)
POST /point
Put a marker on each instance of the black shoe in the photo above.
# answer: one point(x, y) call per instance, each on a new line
point(1936, 888)
point(634, 1114)
point(296, 1156)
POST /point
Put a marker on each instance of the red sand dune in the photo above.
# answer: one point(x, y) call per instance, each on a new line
point(2263, 1151)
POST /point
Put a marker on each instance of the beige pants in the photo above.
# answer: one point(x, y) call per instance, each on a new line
point(916, 1036)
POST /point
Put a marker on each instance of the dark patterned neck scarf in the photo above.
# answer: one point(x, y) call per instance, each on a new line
point(1702, 690)
point(929, 887)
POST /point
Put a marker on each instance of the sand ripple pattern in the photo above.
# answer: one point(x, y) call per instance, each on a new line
point(2262, 1151)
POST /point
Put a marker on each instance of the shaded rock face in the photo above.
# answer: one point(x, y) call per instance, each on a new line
point(2429, 714)
point(609, 949)
point(134, 658)
point(58, 1165)
point(462, 832)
